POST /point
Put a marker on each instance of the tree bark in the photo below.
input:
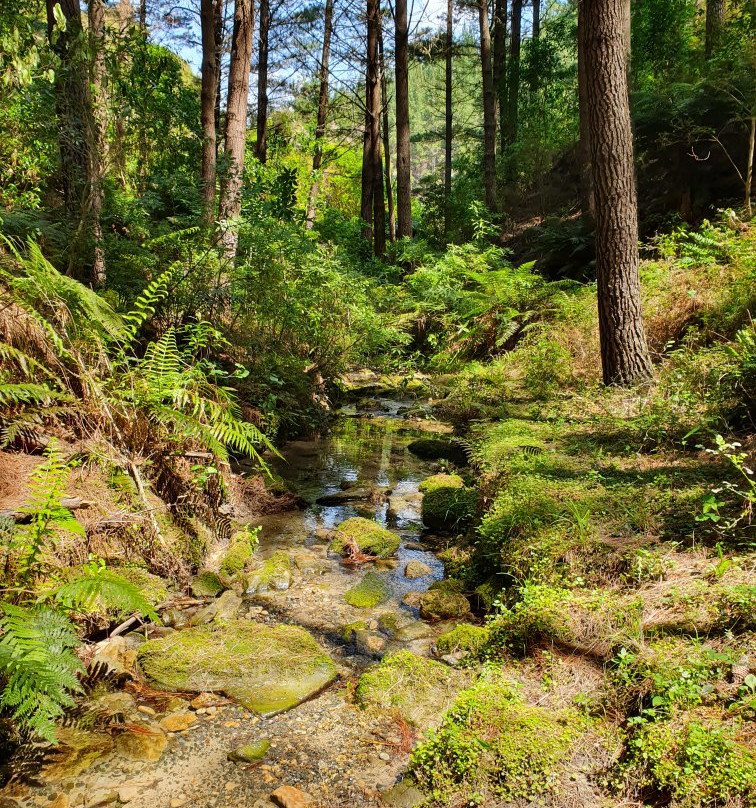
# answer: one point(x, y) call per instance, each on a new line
point(403, 172)
point(587, 207)
point(97, 117)
point(386, 133)
point(236, 124)
point(624, 352)
point(220, 32)
point(536, 19)
point(449, 116)
point(749, 167)
point(143, 14)
point(715, 17)
point(500, 66)
point(262, 82)
point(489, 109)
point(320, 126)
point(513, 89)
point(210, 66)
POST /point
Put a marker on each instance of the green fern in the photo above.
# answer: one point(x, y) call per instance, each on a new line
point(38, 666)
point(144, 306)
point(99, 589)
point(27, 393)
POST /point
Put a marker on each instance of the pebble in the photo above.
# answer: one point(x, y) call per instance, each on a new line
point(384, 756)
point(143, 708)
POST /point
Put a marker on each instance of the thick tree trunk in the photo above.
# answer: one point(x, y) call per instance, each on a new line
point(715, 17)
point(489, 109)
point(210, 65)
point(386, 133)
point(143, 14)
point(624, 353)
point(236, 125)
point(513, 88)
point(220, 31)
point(403, 172)
point(500, 66)
point(584, 144)
point(97, 109)
point(320, 126)
point(449, 117)
point(262, 82)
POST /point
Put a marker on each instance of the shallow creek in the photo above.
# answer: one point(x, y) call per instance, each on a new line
point(329, 747)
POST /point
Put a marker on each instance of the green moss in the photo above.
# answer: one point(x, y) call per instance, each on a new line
point(250, 752)
point(439, 449)
point(369, 536)
point(491, 742)
point(265, 668)
point(153, 587)
point(440, 604)
point(239, 552)
point(447, 503)
point(206, 584)
point(274, 573)
point(695, 760)
point(448, 585)
point(419, 688)
point(348, 631)
point(371, 591)
point(464, 637)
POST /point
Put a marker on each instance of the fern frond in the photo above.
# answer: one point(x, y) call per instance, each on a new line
point(38, 666)
point(26, 364)
point(144, 306)
point(28, 393)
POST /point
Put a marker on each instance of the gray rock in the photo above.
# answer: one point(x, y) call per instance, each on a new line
point(416, 569)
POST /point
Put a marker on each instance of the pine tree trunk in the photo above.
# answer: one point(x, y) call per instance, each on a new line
point(715, 17)
point(489, 109)
point(584, 144)
point(513, 83)
point(536, 19)
point(386, 133)
point(236, 125)
point(403, 172)
point(262, 82)
point(220, 31)
point(97, 109)
point(624, 353)
point(320, 126)
point(372, 174)
point(500, 66)
point(449, 116)
point(210, 65)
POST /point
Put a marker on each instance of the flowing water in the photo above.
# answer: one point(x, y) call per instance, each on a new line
point(328, 746)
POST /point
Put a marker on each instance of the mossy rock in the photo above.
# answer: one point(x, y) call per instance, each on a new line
point(238, 554)
point(439, 449)
point(371, 591)
point(447, 503)
point(348, 632)
point(267, 669)
point(440, 604)
point(448, 585)
point(274, 573)
point(464, 638)
point(206, 584)
point(420, 689)
point(250, 752)
point(491, 742)
point(369, 536)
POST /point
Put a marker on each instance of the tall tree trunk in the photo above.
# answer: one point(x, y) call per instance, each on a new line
point(210, 65)
point(449, 117)
point(489, 109)
point(262, 82)
point(320, 126)
point(513, 89)
point(385, 131)
point(500, 66)
point(403, 172)
point(715, 17)
point(536, 19)
point(624, 352)
point(749, 167)
point(220, 31)
point(236, 124)
point(584, 144)
point(143, 14)
point(97, 118)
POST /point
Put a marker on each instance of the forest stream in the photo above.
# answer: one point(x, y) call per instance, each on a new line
point(327, 746)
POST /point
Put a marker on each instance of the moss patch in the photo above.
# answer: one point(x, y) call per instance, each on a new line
point(275, 573)
point(371, 591)
point(238, 554)
point(447, 503)
point(206, 585)
point(464, 637)
point(369, 536)
point(441, 604)
point(439, 449)
point(266, 668)
point(420, 689)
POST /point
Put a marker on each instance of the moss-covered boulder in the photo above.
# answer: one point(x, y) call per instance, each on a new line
point(420, 689)
point(462, 639)
point(206, 584)
point(447, 503)
point(273, 573)
point(440, 448)
point(153, 587)
point(238, 554)
point(368, 536)
point(491, 742)
point(265, 668)
point(371, 591)
point(443, 604)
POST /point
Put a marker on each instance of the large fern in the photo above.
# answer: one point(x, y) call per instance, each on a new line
point(38, 666)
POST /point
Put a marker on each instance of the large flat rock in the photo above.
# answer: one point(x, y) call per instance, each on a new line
point(267, 669)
